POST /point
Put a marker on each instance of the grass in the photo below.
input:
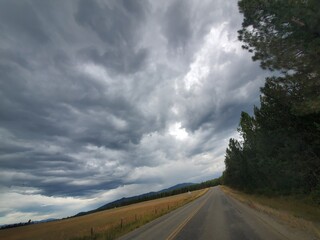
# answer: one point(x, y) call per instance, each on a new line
point(293, 210)
point(108, 224)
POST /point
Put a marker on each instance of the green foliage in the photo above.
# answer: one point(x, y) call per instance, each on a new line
point(280, 151)
point(285, 36)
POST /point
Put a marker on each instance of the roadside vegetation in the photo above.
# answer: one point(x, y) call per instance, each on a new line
point(278, 154)
point(107, 224)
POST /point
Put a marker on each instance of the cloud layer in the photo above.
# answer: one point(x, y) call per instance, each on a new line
point(105, 99)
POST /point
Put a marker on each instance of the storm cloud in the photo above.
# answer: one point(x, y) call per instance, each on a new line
point(106, 99)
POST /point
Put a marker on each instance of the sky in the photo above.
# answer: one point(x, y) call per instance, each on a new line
point(101, 100)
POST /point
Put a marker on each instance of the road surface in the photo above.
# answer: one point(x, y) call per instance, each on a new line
point(213, 216)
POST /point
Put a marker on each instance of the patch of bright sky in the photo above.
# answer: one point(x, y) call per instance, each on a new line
point(177, 131)
point(95, 71)
point(216, 40)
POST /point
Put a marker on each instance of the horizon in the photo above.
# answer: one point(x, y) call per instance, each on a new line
point(65, 217)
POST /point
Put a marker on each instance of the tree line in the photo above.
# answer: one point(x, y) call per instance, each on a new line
point(279, 148)
point(14, 225)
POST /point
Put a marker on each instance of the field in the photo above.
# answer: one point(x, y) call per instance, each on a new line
point(107, 224)
point(298, 213)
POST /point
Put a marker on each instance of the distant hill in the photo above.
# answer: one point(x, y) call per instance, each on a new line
point(138, 198)
point(46, 220)
point(176, 189)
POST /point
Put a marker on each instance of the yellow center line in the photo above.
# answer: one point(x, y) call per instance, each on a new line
point(179, 228)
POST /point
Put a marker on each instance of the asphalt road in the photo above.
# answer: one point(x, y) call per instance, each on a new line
point(212, 216)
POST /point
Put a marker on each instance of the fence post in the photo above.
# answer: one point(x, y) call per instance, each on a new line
point(121, 224)
point(91, 232)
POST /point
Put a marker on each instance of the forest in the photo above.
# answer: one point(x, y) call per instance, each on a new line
point(278, 151)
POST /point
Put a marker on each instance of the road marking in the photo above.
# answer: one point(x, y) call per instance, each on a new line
point(181, 226)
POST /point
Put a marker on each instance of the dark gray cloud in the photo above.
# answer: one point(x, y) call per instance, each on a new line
point(22, 21)
point(118, 25)
point(104, 99)
point(115, 22)
point(177, 24)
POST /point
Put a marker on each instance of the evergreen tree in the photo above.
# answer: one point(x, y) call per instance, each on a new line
point(285, 36)
point(280, 151)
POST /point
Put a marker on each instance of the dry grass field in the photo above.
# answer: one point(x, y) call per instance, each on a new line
point(107, 224)
point(297, 213)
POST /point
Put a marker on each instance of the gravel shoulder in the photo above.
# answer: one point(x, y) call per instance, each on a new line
point(284, 223)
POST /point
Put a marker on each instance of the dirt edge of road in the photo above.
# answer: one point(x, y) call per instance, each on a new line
point(304, 227)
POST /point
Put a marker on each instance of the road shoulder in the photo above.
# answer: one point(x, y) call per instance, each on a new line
point(290, 226)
